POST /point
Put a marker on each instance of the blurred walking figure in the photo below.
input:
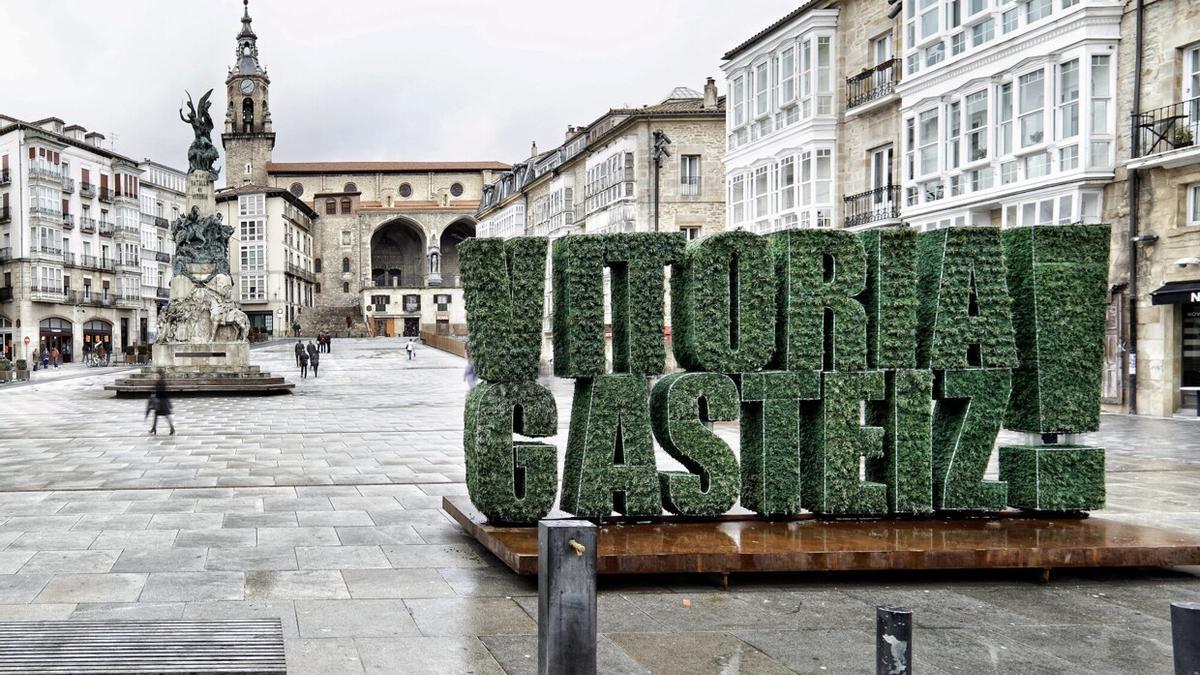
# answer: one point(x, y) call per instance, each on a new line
point(410, 349)
point(315, 360)
point(303, 356)
point(56, 357)
point(299, 351)
point(312, 350)
point(469, 375)
point(159, 403)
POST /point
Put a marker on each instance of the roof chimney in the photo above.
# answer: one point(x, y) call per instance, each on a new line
point(533, 149)
point(710, 94)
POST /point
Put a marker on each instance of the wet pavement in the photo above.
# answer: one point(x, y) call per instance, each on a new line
point(322, 508)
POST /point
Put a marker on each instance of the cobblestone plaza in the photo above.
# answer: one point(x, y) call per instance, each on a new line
point(322, 508)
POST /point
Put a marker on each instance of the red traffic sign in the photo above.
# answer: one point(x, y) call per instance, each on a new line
point(26, 339)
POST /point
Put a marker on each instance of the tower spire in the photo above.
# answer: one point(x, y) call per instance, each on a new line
point(247, 46)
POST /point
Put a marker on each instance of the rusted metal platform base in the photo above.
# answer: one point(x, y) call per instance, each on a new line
point(736, 544)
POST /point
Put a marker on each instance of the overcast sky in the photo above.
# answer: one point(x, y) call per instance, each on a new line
point(366, 79)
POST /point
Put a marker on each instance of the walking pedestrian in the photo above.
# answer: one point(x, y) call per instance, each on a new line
point(312, 350)
point(160, 403)
point(55, 357)
point(45, 358)
point(299, 350)
point(66, 353)
point(101, 354)
point(303, 365)
point(469, 375)
point(409, 348)
point(315, 361)
point(328, 342)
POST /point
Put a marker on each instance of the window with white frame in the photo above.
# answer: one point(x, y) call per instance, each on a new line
point(608, 181)
point(1101, 131)
point(953, 135)
point(927, 140)
point(787, 75)
point(1193, 205)
point(786, 184)
point(737, 199)
point(253, 287)
point(1190, 83)
point(1068, 99)
point(977, 126)
point(762, 192)
point(689, 175)
point(1031, 95)
point(252, 205)
point(762, 90)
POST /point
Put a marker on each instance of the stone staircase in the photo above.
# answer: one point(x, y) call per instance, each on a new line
point(182, 381)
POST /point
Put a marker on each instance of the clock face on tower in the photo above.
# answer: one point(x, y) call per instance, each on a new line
point(247, 86)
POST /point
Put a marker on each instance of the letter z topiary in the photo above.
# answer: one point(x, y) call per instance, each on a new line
point(510, 481)
point(682, 406)
point(970, 408)
point(504, 284)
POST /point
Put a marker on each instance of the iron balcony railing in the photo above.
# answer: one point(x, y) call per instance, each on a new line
point(46, 172)
point(107, 228)
point(68, 185)
point(47, 291)
point(87, 190)
point(300, 272)
point(96, 263)
point(159, 221)
point(5, 253)
point(105, 195)
point(5, 214)
point(87, 225)
point(872, 206)
point(68, 258)
point(162, 293)
point(5, 176)
point(162, 257)
point(45, 212)
point(53, 252)
point(872, 83)
point(689, 186)
point(68, 221)
point(130, 230)
point(1168, 128)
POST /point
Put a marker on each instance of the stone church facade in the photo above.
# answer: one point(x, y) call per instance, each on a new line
point(384, 235)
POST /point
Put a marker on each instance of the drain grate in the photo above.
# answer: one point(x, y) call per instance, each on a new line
point(236, 646)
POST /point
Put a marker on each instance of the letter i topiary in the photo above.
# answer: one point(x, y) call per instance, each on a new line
point(833, 444)
point(610, 453)
point(682, 406)
point(970, 407)
point(636, 262)
point(504, 285)
point(510, 481)
point(803, 260)
point(965, 313)
point(722, 315)
point(890, 297)
point(578, 274)
point(770, 438)
point(906, 466)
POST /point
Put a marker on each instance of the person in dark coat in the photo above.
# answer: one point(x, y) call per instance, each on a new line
point(312, 350)
point(328, 342)
point(299, 350)
point(303, 364)
point(160, 403)
point(315, 361)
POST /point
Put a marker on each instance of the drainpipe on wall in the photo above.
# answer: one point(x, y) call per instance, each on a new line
point(1134, 190)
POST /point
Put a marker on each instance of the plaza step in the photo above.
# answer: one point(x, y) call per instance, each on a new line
point(249, 382)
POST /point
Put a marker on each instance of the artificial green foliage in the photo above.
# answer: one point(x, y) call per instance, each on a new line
point(610, 453)
point(682, 406)
point(970, 407)
point(1053, 477)
point(906, 465)
point(1057, 276)
point(510, 481)
point(965, 314)
point(578, 283)
point(833, 444)
point(769, 436)
point(504, 285)
point(636, 262)
point(722, 311)
point(819, 272)
point(890, 297)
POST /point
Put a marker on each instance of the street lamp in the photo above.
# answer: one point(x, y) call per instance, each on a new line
point(661, 141)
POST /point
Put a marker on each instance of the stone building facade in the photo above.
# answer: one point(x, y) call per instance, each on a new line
point(73, 243)
point(1154, 206)
point(602, 178)
point(377, 239)
point(813, 120)
point(163, 200)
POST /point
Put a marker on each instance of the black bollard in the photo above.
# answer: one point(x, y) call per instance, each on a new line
point(1185, 637)
point(893, 641)
point(566, 597)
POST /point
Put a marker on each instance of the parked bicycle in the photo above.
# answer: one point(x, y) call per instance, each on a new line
point(94, 361)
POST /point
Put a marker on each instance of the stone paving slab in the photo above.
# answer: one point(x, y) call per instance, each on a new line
point(322, 509)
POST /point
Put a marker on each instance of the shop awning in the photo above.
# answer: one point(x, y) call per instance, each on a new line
point(1176, 293)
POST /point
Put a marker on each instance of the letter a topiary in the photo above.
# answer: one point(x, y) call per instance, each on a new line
point(890, 298)
point(682, 406)
point(819, 272)
point(610, 452)
point(970, 407)
point(906, 466)
point(965, 313)
point(769, 436)
point(636, 262)
point(504, 284)
point(578, 273)
point(722, 315)
point(833, 444)
point(1058, 277)
point(510, 481)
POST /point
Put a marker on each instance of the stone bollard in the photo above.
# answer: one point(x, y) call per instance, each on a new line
point(1185, 637)
point(566, 597)
point(893, 641)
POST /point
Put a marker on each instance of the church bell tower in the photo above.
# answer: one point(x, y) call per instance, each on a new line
point(248, 138)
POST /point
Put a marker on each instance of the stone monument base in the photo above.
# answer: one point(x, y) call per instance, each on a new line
point(203, 380)
point(231, 355)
